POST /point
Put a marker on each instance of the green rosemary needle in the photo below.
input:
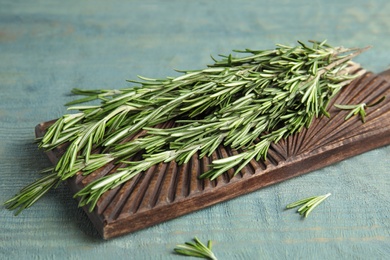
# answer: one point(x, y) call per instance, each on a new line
point(359, 109)
point(196, 249)
point(246, 103)
point(308, 204)
point(31, 193)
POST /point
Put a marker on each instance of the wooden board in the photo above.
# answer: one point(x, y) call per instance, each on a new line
point(167, 190)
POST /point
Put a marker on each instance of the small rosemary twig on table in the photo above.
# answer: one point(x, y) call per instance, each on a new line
point(196, 249)
point(308, 204)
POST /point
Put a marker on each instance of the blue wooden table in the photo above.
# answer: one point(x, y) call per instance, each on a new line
point(49, 47)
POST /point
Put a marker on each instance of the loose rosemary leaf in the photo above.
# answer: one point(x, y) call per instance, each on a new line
point(196, 249)
point(359, 108)
point(308, 204)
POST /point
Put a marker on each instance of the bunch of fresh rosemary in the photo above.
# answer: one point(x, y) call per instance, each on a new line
point(245, 102)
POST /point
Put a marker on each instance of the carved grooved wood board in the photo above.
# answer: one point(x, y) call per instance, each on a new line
point(168, 190)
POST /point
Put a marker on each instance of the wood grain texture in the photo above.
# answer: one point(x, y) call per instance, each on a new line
point(168, 190)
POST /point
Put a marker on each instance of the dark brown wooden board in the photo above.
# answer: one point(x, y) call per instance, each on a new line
point(167, 190)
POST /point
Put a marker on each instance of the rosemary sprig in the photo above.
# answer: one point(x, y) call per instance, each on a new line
point(245, 103)
point(31, 193)
point(308, 204)
point(197, 249)
point(359, 109)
